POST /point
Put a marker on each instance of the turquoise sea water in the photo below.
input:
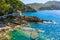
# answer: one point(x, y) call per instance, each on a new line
point(25, 35)
point(52, 31)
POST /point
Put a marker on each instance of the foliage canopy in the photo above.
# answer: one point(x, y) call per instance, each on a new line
point(9, 6)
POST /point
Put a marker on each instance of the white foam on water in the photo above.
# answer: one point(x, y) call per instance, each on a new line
point(46, 22)
point(47, 39)
point(50, 22)
point(30, 29)
point(55, 22)
point(41, 31)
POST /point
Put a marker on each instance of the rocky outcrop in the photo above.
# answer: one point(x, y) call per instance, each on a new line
point(19, 20)
point(25, 19)
point(34, 19)
point(30, 18)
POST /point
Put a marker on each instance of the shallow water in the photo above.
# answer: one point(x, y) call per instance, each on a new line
point(52, 31)
point(24, 35)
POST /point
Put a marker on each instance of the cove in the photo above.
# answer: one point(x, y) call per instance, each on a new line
point(52, 31)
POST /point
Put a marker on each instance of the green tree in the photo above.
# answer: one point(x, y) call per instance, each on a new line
point(8, 6)
point(15, 4)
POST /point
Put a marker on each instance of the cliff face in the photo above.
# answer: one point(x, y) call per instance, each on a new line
point(28, 9)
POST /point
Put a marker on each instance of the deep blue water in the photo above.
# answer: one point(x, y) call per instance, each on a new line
point(52, 31)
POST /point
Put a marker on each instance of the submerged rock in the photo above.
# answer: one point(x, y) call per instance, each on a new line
point(25, 35)
point(34, 35)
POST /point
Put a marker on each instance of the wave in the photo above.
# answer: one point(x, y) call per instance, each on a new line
point(50, 22)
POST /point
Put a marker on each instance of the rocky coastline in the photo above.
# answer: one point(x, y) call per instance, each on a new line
point(23, 20)
point(15, 24)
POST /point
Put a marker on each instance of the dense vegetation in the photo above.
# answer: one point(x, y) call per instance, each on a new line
point(50, 5)
point(9, 6)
